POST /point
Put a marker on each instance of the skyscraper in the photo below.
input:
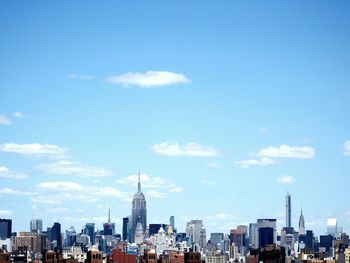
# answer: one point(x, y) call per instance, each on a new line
point(125, 228)
point(90, 231)
point(36, 225)
point(5, 228)
point(301, 224)
point(288, 211)
point(109, 228)
point(193, 229)
point(172, 222)
point(54, 235)
point(138, 211)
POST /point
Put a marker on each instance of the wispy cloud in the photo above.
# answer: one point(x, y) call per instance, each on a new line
point(60, 186)
point(263, 130)
point(58, 210)
point(155, 194)
point(9, 174)
point(285, 151)
point(220, 216)
point(148, 79)
point(18, 114)
point(208, 182)
point(286, 179)
point(190, 149)
point(5, 213)
point(267, 156)
point(151, 183)
point(10, 191)
point(33, 149)
point(43, 199)
point(262, 162)
point(80, 77)
point(4, 120)
point(214, 165)
point(346, 148)
point(74, 168)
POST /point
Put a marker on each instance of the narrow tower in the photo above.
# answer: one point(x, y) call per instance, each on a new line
point(288, 211)
point(138, 211)
point(301, 224)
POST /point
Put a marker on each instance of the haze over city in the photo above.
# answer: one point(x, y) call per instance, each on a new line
point(221, 107)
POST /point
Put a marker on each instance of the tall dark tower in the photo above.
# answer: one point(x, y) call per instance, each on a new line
point(138, 210)
point(288, 211)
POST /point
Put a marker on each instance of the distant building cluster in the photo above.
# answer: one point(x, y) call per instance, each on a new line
point(162, 243)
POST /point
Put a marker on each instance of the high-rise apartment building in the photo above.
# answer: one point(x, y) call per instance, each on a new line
point(301, 224)
point(288, 211)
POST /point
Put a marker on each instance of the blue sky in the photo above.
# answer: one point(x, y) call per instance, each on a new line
point(224, 107)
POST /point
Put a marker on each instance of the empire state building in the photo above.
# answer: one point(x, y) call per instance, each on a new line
point(138, 211)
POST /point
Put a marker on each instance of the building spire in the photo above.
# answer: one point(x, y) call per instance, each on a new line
point(109, 215)
point(139, 184)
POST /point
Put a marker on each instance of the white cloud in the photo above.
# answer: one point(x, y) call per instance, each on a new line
point(18, 114)
point(263, 130)
point(33, 149)
point(155, 194)
point(49, 200)
point(74, 168)
point(60, 186)
point(190, 149)
point(113, 192)
point(346, 148)
point(286, 179)
point(285, 151)
point(148, 79)
point(256, 162)
point(10, 191)
point(80, 77)
point(207, 182)
point(58, 210)
point(148, 182)
point(220, 216)
point(214, 165)
point(9, 174)
point(5, 213)
point(4, 120)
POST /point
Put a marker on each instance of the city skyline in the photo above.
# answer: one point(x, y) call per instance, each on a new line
point(224, 108)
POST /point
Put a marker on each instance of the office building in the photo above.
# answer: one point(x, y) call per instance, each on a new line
point(36, 226)
point(253, 236)
point(125, 228)
point(265, 236)
point(216, 238)
point(172, 222)
point(193, 231)
point(90, 231)
point(109, 228)
point(5, 228)
point(138, 211)
point(154, 228)
point(266, 223)
point(332, 227)
point(54, 236)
